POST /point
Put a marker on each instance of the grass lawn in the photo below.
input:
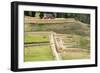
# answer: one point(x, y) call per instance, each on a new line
point(35, 38)
point(38, 53)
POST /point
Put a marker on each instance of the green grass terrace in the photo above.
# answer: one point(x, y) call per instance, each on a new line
point(38, 53)
point(35, 38)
